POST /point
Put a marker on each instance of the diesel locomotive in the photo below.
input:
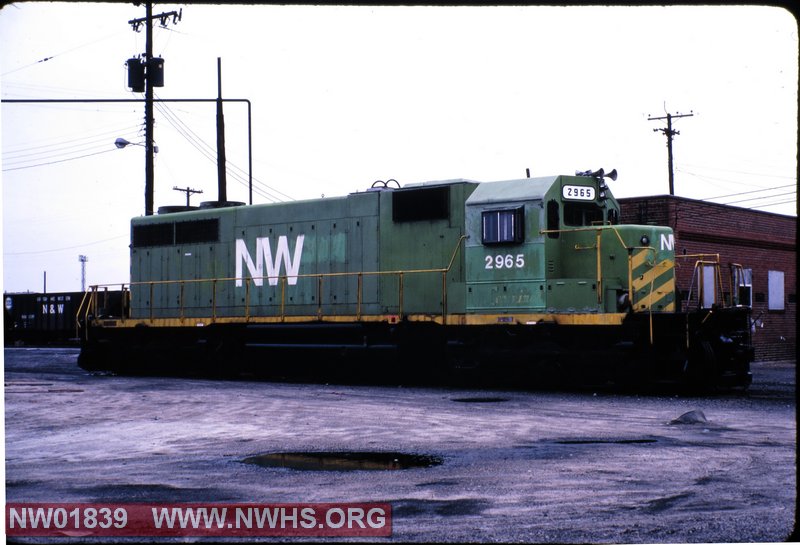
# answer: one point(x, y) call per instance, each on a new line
point(533, 273)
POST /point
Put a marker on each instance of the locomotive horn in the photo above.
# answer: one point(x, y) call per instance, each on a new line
point(598, 173)
point(612, 175)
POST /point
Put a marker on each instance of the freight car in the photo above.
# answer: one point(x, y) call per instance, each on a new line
point(532, 273)
point(41, 319)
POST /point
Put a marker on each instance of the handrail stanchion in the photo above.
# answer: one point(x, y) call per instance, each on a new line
point(400, 294)
point(283, 298)
point(247, 299)
point(358, 296)
point(444, 297)
point(181, 298)
point(122, 297)
point(214, 300)
point(319, 297)
point(78, 314)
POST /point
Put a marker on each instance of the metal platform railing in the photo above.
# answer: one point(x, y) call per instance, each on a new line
point(91, 309)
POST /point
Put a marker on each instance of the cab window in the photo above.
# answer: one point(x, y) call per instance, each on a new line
point(579, 214)
point(503, 226)
point(553, 219)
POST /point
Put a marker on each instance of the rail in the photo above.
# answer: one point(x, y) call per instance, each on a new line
point(88, 308)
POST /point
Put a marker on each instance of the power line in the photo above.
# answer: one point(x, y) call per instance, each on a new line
point(750, 192)
point(206, 150)
point(31, 88)
point(65, 248)
point(148, 135)
point(683, 213)
point(198, 144)
point(175, 120)
point(774, 204)
point(739, 172)
point(60, 161)
point(728, 181)
point(96, 136)
point(762, 197)
point(55, 151)
point(53, 56)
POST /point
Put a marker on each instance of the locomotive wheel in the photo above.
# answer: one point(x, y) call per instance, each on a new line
point(699, 368)
point(463, 365)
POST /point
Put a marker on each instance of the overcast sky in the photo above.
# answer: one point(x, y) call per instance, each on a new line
point(344, 96)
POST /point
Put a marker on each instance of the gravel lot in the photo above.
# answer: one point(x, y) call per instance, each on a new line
point(516, 465)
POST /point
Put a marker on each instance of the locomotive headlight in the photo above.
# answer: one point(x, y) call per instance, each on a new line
point(645, 240)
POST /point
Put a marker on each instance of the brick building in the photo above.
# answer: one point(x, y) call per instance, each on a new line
point(763, 243)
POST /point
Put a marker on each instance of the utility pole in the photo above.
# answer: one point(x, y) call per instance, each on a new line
point(188, 191)
point(149, 139)
point(83, 259)
point(153, 77)
point(669, 132)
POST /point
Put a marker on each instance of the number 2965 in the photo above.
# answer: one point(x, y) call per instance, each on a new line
point(507, 261)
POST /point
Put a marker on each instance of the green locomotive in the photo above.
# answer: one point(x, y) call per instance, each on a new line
point(534, 273)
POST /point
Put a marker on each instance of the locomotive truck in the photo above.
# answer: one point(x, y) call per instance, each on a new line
point(533, 273)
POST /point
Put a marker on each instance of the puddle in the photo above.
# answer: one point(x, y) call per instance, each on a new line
point(344, 461)
point(604, 441)
point(440, 508)
point(479, 399)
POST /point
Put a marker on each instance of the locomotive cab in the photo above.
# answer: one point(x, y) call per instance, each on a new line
point(553, 245)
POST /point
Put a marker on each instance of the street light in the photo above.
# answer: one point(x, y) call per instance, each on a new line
point(121, 143)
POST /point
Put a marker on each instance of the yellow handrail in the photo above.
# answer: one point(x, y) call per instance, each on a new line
point(151, 284)
point(86, 295)
point(719, 292)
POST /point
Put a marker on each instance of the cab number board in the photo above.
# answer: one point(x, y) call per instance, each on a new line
point(578, 192)
point(507, 261)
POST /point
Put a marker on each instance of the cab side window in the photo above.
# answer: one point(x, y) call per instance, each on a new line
point(504, 226)
point(553, 219)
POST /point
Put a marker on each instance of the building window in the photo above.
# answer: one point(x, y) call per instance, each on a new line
point(502, 226)
point(776, 298)
point(744, 286)
point(708, 286)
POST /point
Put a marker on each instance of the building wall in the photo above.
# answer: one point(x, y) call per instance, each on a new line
point(762, 242)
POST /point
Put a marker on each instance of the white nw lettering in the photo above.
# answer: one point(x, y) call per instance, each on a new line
point(667, 242)
point(264, 256)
